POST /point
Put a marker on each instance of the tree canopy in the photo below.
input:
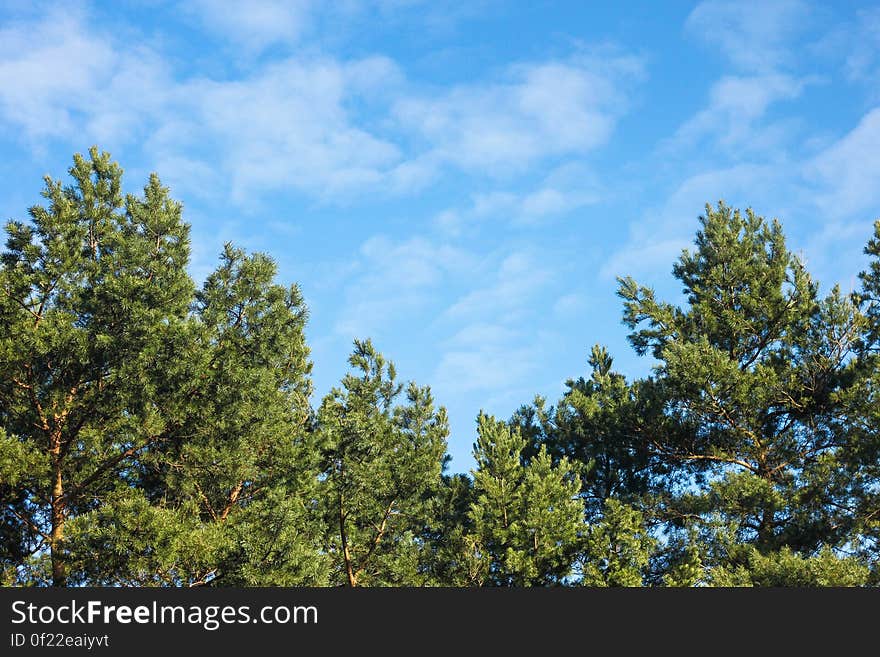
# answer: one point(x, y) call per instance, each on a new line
point(168, 427)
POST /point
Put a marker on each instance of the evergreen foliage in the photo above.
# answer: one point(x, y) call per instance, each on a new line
point(526, 517)
point(158, 427)
point(156, 433)
point(754, 368)
point(381, 462)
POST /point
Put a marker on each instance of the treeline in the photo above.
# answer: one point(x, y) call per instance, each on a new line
point(153, 433)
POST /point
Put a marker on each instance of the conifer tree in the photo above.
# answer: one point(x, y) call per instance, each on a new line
point(863, 453)
point(617, 548)
point(447, 556)
point(526, 518)
point(92, 288)
point(159, 429)
point(153, 433)
point(382, 462)
point(753, 366)
point(603, 425)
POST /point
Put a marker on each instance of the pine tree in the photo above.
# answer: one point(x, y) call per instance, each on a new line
point(168, 430)
point(869, 295)
point(753, 368)
point(447, 556)
point(617, 548)
point(382, 462)
point(602, 425)
point(230, 492)
point(862, 458)
point(526, 518)
point(92, 288)
point(750, 567)
point(160, 429)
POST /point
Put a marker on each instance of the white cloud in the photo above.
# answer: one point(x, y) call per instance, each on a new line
point(288, 127)
point(568, 304)
point(484, 367)
point(738, 123)
point(393, 278)
point(542, 110)
point(528, 207)
point(736, 106)
point(491, 349)
point(854, 45)
point(256, 24)
point(750, 96)
point(315, 125)
point(833, 253)
point(532, 207)
point(481, 333)
point(60, 80)
point(863, 42)
point(849, 170)
point(186, 175)
point(823, 201)
point(412, 175)
point(518, 277)
point(755, 36)
point(644, 256)
point(564, 190)
point(657, 239)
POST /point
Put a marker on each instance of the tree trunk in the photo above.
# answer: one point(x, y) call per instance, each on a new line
point(59, 572)
point(768, 513)
point(765, 529)
point(346, 553)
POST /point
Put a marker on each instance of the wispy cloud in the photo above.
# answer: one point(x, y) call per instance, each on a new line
point(493, 364)
point(254, 25)
point(854, 46)
point(300, 135)
point(562, 191)
point(285, 125)
point(569, 304)
point(756, 37)
point(821, 200)
point(657, 238)
point(740, 147)
point(396, 278)
point(59, 79)
point(849, 169)
point(760, 41)
point(863, 44)
point(495, 345)
point(732, 119)
point(518, 277)
point(540, 110)
point(314, 124)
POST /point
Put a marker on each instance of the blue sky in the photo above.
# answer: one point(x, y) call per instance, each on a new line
point(461, 182)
